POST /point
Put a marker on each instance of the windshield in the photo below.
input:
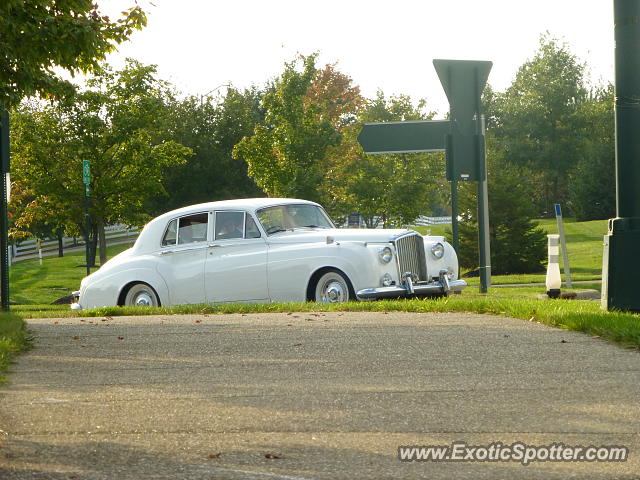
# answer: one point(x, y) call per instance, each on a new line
point(287, 217)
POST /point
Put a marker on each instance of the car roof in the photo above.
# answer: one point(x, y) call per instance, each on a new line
point(251, 204)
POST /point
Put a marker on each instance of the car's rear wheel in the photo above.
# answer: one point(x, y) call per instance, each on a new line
point(141, 295)
point(332, 287)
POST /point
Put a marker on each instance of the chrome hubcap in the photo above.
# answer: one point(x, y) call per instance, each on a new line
point(143, 299)
point(334, 292)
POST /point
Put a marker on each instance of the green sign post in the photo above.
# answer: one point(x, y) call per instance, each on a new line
point(463, 82)
point(86, 179)
point(4, 218)
point(461, 137)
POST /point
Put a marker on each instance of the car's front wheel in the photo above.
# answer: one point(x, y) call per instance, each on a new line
point(332, 287)
point(141, 295)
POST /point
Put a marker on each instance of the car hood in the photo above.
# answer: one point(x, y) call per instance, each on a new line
point(338, 234)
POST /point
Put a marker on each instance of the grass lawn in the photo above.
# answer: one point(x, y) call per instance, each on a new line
point(31, 283)
point(14, 338)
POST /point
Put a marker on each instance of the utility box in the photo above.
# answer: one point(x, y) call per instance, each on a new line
point(621, 271)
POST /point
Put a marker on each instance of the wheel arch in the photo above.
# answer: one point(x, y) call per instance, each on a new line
point(313, 281)
point(123, 292)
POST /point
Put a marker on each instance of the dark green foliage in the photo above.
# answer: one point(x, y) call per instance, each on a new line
point(518, 245)
point(211, 130)
point(592, 183)
point(538, 118)
point(38, 35)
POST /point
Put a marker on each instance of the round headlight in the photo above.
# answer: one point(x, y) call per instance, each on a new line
point(385, 254)
point(437, 251)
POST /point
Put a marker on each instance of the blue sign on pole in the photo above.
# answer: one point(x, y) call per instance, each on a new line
point(558, 210)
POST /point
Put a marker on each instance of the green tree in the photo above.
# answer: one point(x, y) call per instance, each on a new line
point(118, 123)
point(592, 182)
point(518, 245)
point(392, 188)
point(38, 35)
point(537, 120)
point(211, 129)
point(286, 154)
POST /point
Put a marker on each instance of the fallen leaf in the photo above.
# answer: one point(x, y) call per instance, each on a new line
point(198, 321)
point(55, 323)
point(215, 455)
point(271, 455)
point(289, 325)
point(563, 341)
point(120, 338)
point(297, 344)
point(76, 337)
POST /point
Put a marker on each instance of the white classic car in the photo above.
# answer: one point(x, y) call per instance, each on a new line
point(268, 249)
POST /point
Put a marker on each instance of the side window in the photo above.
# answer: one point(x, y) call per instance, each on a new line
point(193, 228)
point(250, 228)
point(170, 235)
point(229, 225)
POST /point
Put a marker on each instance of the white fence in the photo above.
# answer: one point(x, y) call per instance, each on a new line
point(356, 221)
point(423, 221)
point(113, 234)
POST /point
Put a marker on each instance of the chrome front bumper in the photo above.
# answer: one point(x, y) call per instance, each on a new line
point(443, 286)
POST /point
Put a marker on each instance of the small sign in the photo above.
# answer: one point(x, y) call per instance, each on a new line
point(87, 190)
point(558, 210)
point(86, 172)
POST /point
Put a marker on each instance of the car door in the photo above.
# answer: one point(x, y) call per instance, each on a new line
point(182, 257)
point(236, 260)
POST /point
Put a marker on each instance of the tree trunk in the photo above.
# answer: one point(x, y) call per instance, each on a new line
point(102, 240)
point(93, 240)
point(60, 243)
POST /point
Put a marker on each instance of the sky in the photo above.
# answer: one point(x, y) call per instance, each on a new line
point(202, 45)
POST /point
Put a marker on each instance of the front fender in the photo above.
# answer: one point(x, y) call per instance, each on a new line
point(448, 262)
point(292, 267)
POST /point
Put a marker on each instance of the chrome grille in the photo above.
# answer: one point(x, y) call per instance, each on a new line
point(410, 251)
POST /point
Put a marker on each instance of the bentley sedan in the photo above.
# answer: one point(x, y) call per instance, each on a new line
point(268, 250)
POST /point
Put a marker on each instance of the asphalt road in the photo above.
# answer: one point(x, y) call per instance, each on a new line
point(310, 396)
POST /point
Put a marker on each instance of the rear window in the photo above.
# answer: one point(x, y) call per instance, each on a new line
point(187, 229)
